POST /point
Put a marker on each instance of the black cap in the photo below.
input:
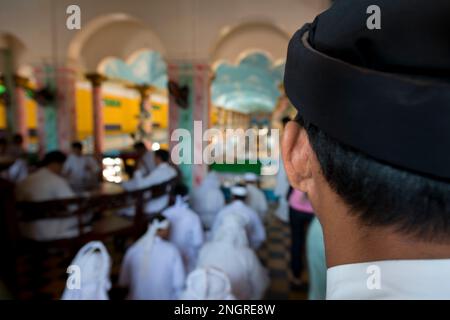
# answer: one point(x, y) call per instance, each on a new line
point(384, 92)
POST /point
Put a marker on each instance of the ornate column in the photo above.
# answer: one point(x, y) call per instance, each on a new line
point(96, 80)
point(144, 130)
point(189, 103)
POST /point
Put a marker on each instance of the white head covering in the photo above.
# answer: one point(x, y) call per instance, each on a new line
point(239, 191)
point(148, 238)
point(94, 264)
point(207, 284)
point(232, 231)
point(250, 177)
point(211, 181)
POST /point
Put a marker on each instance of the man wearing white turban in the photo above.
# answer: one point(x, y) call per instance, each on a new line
point(186, 228)
point(253, 225)
point(152, 268)
point(89, 274)
point(207, 284)
point(255, 196)
point(207, 200)
point(229, 252)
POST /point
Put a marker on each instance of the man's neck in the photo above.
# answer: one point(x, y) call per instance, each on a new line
point(348, 241)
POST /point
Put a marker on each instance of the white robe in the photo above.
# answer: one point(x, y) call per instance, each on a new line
point(81, 171)
point(164, 276)
point(185, 232)
point(256, 200)
point(207, 199)
point(44, 185)
point(281, 190)
point(92, 265)
point(17, 172)
point(162, 173)
point(253, 225)
point(147, 163)
point(207, 284)
point(390, 280)
point(229, 252)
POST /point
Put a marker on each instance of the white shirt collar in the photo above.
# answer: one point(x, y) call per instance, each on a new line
point(390, 280)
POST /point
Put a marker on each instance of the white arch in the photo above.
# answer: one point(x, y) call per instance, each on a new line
point(247, 37)
point(137, 37)
point(17, 47)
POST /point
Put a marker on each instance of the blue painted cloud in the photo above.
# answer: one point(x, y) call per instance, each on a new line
point(147, 67)
point(251, 86)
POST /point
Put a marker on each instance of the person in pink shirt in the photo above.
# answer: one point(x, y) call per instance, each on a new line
point(300, 215)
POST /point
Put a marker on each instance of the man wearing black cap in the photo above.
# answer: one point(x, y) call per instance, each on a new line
point(371, 145)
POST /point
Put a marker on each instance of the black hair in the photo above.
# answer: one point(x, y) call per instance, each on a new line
point(77, 145)
point(54, 157)
point(17, 139)
point(380, 194)
point(180, 190)
point(162, 154)
point(139, 146)
point(285, 120)
point(158, 217)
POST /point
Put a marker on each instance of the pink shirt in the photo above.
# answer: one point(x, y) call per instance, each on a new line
point(299, 202)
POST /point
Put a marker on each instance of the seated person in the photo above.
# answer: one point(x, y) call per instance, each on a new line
point(207, 284)
point(95, 265)
point(81, 170)
point(163, 172)
point(208, 199)
point(146, 158)
point(48, 184)
point(256, 199)
point(152, 268)
point(253, 224)
point(229, 251)
point(18, 168)
point(186, 229)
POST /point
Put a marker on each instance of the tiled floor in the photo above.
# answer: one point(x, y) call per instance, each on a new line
point(274, 255)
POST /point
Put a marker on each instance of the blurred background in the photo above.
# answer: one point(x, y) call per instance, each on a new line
point(136, 70)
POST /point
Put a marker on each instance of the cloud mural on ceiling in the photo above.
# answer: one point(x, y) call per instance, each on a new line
point(250, 86)
point(145, 67)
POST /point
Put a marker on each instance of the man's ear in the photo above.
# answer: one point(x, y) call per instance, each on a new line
point(297, 157)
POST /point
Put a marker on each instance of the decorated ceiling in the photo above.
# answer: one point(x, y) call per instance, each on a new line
point(145, 67)
point(250, 86)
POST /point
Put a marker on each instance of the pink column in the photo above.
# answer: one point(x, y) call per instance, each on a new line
point(97, 110)
point(67, 126)
point(20, 112)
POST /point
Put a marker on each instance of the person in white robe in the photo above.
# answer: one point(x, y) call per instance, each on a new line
point(89, 274)
point(48, 184)
point(81, 170)
point(253, 225)
point(207, 284)
point(146, 158)
point(229, 252)
point(17, 172)
point(186, 230)
point(256, 198)
point(152, 268)
point(163, 172)
point(281, 190)
point(208, 199)
point(282, 187)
